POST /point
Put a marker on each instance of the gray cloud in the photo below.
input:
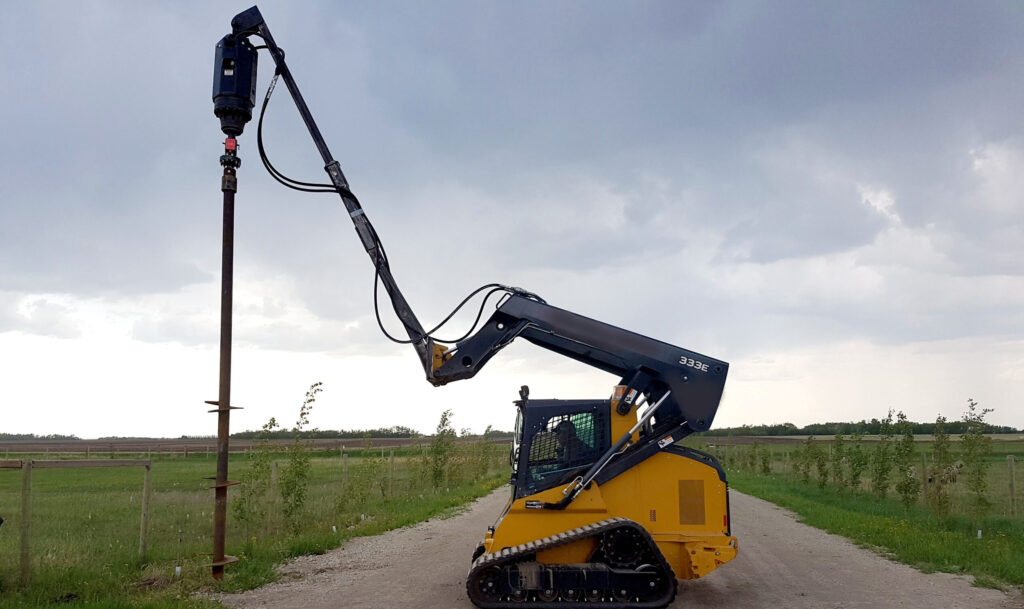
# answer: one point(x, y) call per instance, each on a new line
point(39, 316)
point(703, 156)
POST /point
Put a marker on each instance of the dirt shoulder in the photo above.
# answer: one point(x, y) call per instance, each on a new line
point(782, 564)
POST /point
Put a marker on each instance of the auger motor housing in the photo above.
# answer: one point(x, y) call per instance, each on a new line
point(234, 83)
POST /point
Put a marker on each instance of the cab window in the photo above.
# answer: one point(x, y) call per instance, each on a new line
point(562, 447)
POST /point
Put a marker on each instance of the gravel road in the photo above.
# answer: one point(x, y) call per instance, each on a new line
point(782, 564)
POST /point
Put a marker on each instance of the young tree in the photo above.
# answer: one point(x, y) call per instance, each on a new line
point(294, 478)
point(857, 459)
point(908, 484)
point(442, 448)
point(804, 458)
point(976, 448)
point(249, 505)
point(838, 461)
point(881, 459)
point(821, 462)
point(942, 460)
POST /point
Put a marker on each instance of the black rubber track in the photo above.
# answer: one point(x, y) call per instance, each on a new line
point(489, 563)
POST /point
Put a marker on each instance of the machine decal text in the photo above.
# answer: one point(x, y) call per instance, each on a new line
point(692, 363)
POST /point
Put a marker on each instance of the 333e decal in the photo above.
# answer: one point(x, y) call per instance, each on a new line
point(692, 363)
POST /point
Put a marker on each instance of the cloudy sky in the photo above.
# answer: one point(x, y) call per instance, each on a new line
point(828, 196)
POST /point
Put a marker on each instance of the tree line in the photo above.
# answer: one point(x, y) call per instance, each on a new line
point(395, 431)
point(892, 463)
point(32, 436)
point(873, 427)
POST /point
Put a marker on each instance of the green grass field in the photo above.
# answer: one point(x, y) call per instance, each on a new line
point(782, 461)
point(913, 535)
point(85, 524)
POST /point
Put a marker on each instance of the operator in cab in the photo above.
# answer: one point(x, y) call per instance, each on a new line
point(570, 448)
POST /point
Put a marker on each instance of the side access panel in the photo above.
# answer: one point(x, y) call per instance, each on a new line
point(681, 497)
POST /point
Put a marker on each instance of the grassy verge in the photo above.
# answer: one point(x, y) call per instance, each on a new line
point(85, 525)
point(909, 535)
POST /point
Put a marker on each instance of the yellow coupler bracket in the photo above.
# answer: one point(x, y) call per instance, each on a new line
point(439, 357)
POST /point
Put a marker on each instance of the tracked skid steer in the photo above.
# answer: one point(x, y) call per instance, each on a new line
point(627, 535)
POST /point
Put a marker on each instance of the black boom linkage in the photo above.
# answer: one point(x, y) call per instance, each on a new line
point(250, 22)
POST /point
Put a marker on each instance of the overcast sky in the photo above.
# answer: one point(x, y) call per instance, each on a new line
point(829, 196)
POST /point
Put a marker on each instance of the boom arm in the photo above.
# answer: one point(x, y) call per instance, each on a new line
point(251, 22)
point(647, 366)
point(687, 386)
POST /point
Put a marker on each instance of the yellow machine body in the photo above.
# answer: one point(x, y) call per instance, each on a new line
point(680, 501)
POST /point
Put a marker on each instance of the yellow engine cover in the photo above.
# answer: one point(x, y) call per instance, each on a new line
point(681, 502)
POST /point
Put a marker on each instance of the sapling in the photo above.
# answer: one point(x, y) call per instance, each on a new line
point(857, 460)
point(821, 462)
point(250, 504)
point(976, 448)
point(942, 460)
point(909, 483)
point(882, 458)
point(442, 449)
point(837, 461)
point(294, 480)
point(804, 458)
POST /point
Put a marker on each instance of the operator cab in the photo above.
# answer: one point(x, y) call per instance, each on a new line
point(556, 441)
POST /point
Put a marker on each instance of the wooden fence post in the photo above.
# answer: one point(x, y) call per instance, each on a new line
point(26, 518)
point(924, 476)
point(147, 490)
point(1013, 486)
point(391, 474)
point(273, 500)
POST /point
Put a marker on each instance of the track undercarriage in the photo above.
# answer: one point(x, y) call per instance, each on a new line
point(625, 570)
